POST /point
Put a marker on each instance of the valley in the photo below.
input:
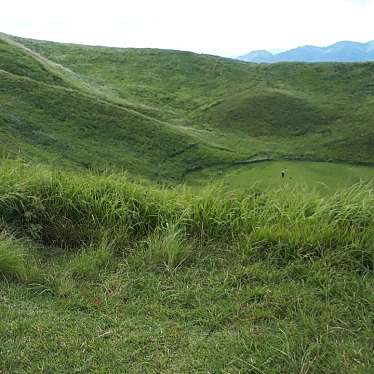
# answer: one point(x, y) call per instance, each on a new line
point(145, 226)
point(201, 110)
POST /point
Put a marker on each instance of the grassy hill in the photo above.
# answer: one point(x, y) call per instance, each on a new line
point(94, 132)
point(201, 110)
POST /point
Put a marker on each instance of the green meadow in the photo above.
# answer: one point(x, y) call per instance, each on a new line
point(322, 177)
point(145, 226)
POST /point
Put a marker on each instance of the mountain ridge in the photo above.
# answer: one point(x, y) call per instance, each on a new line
point(342, 51)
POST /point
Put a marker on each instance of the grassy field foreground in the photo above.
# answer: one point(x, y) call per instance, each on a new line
point(101, 274)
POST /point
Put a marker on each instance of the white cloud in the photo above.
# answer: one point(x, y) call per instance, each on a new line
point(218, 27)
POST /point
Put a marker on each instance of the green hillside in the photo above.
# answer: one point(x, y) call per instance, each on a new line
point(321, 177)
point(17, 61)
point(60, 122)
point(162, 114)
point(91, 133)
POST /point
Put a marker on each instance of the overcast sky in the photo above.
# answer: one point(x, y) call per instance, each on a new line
point(223, 27)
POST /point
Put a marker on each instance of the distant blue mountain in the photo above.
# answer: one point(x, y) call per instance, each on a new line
point(339, 52)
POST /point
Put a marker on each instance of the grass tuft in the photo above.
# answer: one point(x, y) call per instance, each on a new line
point(167, 247)
point(12, 259)
point(91, 262)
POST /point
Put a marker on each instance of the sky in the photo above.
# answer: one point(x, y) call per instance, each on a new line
point(222, 27)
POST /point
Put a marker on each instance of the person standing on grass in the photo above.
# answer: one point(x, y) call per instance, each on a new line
point(283, 173)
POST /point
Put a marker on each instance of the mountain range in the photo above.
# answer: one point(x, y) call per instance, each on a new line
point(344, 51)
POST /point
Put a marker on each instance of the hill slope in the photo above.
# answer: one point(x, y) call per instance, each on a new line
point(49, 118)
point(162, 114)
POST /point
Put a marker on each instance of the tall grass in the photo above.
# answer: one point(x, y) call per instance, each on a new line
point(12, 259)
point(90, 262)
point(73, 210)
point(167, 247)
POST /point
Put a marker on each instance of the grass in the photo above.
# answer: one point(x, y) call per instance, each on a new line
point(36, 125)
point(219, 315)
point(322, 177)
point(12, 262)
point(136, 278)
point(168, 248)
point(74, 138)
point(91, 262)
point(70, 210)
point(18, 62)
